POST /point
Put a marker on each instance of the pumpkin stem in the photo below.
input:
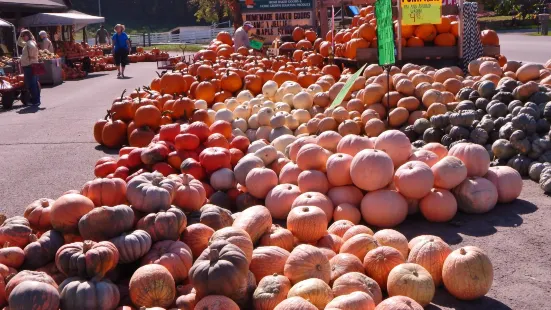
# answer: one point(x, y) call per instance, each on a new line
point(33, 238)
point(87, 245)
point(318, 267)
point(3, 218)
point(462, 251)
point(122, 95)
point(158, 74)
point(108, 115)
point(7, 244)
point(44, 202)
point(213, 256)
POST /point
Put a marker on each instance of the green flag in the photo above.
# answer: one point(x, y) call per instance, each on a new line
point(385, 33)
point(346, 88)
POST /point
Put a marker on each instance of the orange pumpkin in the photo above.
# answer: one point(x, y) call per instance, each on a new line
point(445, 39)
point(308, 224)
point(359, 245)
point(470, 261)
point(413, 281)
point(489, 37)
point(173, 83)
point(314, 290)
point(298, 34)
point(357, 282)
point(445, 25)
point(305, 262)
point(380, 261)
point(431, 254)
point(426, 32)
point(268, 260)
point(438, 206)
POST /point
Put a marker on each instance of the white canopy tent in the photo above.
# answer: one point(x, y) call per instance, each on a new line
point(75, 18)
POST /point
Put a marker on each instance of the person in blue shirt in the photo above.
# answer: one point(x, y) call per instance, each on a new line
point(121, 48)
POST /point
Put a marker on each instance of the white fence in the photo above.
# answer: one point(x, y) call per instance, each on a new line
point(193, 37)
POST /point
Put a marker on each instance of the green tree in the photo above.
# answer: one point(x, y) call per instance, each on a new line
point(212, 11)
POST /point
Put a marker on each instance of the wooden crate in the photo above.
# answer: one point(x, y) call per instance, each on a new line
point(430, 52)
point(491, 50)
point(367, 55)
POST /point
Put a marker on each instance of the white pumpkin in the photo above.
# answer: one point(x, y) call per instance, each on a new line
point(201, 104)
point(224, 115)
point(244, 95)
point(269, 89)
point(303, 100)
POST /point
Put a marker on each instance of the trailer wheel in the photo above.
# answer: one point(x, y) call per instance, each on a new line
point(25, 97)
point(7, 99)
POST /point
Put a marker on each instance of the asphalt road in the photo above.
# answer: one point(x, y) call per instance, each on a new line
point(47, 151)
point(524, 47)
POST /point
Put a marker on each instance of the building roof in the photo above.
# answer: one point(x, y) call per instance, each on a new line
point(49, 4)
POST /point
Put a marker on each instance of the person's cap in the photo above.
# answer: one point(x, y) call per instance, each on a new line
point(42, 33)
point(249, 24)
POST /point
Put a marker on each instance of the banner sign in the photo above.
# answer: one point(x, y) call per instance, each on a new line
point(417, 12)
point(274, 5)
point(274, 24)
point(385, 32)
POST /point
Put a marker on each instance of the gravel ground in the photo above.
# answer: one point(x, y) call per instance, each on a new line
point(48, 151)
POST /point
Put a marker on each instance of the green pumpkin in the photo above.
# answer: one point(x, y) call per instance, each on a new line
point(486, 89)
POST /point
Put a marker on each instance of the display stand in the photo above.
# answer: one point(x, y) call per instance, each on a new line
point(53, 75)
point(433, 55)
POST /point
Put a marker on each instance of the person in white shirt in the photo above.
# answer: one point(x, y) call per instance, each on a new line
point(28, 58)
point(45, 44)
point(241, 36)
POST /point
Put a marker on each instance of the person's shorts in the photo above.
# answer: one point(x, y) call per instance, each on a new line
point(121, 57)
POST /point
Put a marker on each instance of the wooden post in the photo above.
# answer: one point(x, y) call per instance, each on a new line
point(399, 34)
point(460, 29)
point(324, 19)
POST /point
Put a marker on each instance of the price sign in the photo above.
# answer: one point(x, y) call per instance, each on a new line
point(385, 32)
point(417, 12)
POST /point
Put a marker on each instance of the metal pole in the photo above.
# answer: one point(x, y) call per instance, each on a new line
point(99, 7)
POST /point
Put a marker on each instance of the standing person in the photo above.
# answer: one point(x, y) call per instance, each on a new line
point(241, 36)
point(28, 58)
point(121, 48)
point(45, 44)
point(102, 35)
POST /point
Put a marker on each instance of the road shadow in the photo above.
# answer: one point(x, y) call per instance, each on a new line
point(444, 299)
point(126, 78)
point(106, 150)
point(30, 109)
point(477, 225)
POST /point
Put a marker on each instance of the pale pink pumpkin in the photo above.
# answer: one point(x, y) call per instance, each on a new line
point(353, 144)
point(289, 174)
point(313, 181)
point(414, 179)
point(345, 194)
point(280, 199)
point(338, 169)
point(507, 181)
point(474, 156)
point(438, 206)
point(396, 144)
point(371, 170)
point(425, 156)
point(437, 148)
point(315, 199)
point(384, 208)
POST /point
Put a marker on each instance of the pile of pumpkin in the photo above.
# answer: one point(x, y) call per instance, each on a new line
point(150, 240)
point(14, 81)
point(72, 73)
point(46, 55)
